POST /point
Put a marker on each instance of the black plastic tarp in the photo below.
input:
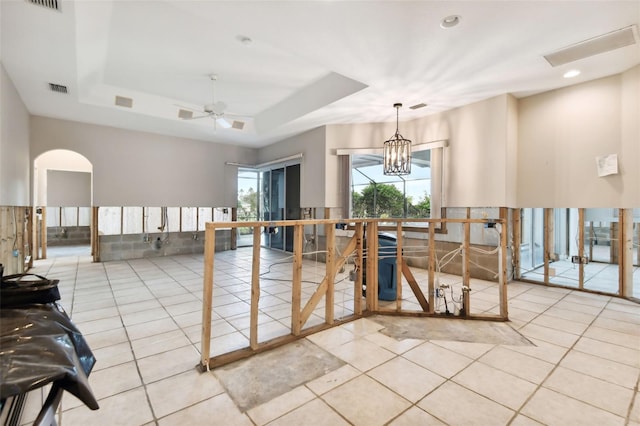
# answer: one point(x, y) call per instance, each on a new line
point(40, 345)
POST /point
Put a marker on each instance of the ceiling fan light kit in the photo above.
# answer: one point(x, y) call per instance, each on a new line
point(397, 152)
point(214, 110)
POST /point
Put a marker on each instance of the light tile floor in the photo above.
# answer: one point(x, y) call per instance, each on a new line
point(142, 320)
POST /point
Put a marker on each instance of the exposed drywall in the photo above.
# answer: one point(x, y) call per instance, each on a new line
point(312, 171)
point(560, 134)
point(14, 145)
point(132, 168)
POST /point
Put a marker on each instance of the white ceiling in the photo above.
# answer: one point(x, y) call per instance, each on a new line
point(310, 63)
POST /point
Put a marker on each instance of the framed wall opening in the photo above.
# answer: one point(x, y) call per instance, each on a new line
point(63, 194)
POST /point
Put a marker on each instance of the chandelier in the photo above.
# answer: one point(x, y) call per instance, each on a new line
point(397, 152)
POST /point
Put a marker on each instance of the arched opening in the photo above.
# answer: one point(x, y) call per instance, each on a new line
point(63, 196)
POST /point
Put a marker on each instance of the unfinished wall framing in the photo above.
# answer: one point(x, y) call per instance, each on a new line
point(592, 250)
point(335, 281)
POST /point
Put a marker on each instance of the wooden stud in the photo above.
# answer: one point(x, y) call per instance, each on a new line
point(313, 301)
point(207, 293)
point(296, 290)
point(581, 248)
point(357, 284)
point(502, 266)
point(43, 233)
point(234, 231)
point(413, 284)
point(399, 266)
point(517, 241)
point(432, 267)
point(466, 268)
point(372, 265)
point(622, 251)
point(548, 241)
point(30, 235)
point(255, 289)
point(330, 232)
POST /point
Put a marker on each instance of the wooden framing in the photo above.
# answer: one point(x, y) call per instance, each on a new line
point(516, 231)
point(502, 264)
point(43, 234)
point(581, 248)
point(364, 230)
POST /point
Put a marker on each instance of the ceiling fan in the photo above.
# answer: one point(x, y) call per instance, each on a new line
point(214, 110)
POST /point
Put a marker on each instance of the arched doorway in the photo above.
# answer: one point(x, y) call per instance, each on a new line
point(63, 195)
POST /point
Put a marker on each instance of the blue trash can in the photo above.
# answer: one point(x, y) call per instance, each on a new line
point(387, 282)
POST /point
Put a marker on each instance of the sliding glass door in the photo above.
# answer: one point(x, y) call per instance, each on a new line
point(280, 200)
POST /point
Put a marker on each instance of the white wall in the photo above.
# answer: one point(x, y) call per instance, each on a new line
point(476, 168)
point(14, 145)
point(133, 168)
point(65, 188)
point(312, 171)
point(561, 132)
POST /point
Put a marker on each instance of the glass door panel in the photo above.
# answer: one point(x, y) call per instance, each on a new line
point(601, 247)
point(565, 245)
point(532, 243)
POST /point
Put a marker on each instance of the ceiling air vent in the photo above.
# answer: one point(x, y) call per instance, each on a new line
point(59, 88)
point(593, 46)
point(124, 102)
point(49, 4)
point(238, 125)
point(185, 114)
point(418, 106)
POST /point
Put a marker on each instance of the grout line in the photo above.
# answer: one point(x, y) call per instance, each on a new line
point(557, 364)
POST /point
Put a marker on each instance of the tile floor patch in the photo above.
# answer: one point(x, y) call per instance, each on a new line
point(259, 379)
point(459, 330)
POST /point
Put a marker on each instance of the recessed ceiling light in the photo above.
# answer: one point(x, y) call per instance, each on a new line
point(571, 73)
point(450, 21)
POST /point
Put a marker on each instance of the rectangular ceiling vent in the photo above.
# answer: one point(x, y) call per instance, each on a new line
point(593, 46)
point(124, 102)
point(49, 4)
point(418, 106)
point(58, 88)
point(185, 114)
point(238, 125)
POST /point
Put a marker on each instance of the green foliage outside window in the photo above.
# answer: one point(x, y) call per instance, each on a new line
point(384, 200)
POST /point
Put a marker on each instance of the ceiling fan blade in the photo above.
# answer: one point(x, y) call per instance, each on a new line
point(223, 122)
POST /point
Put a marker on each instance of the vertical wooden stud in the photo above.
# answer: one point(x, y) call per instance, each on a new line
point(43, 233)
point(234, 230)
point(547, 242)
point(207, 294)
point(255, 289)
point(517, 240)
point(296, 298)
point(399, 242)
point(432, 265)
point(357, 284)
point(466, 264)
point(502, 263)
point(372, 255)
point(330, 233)
point(581, 229)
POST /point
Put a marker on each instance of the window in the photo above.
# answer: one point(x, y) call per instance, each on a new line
point(374, 195)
